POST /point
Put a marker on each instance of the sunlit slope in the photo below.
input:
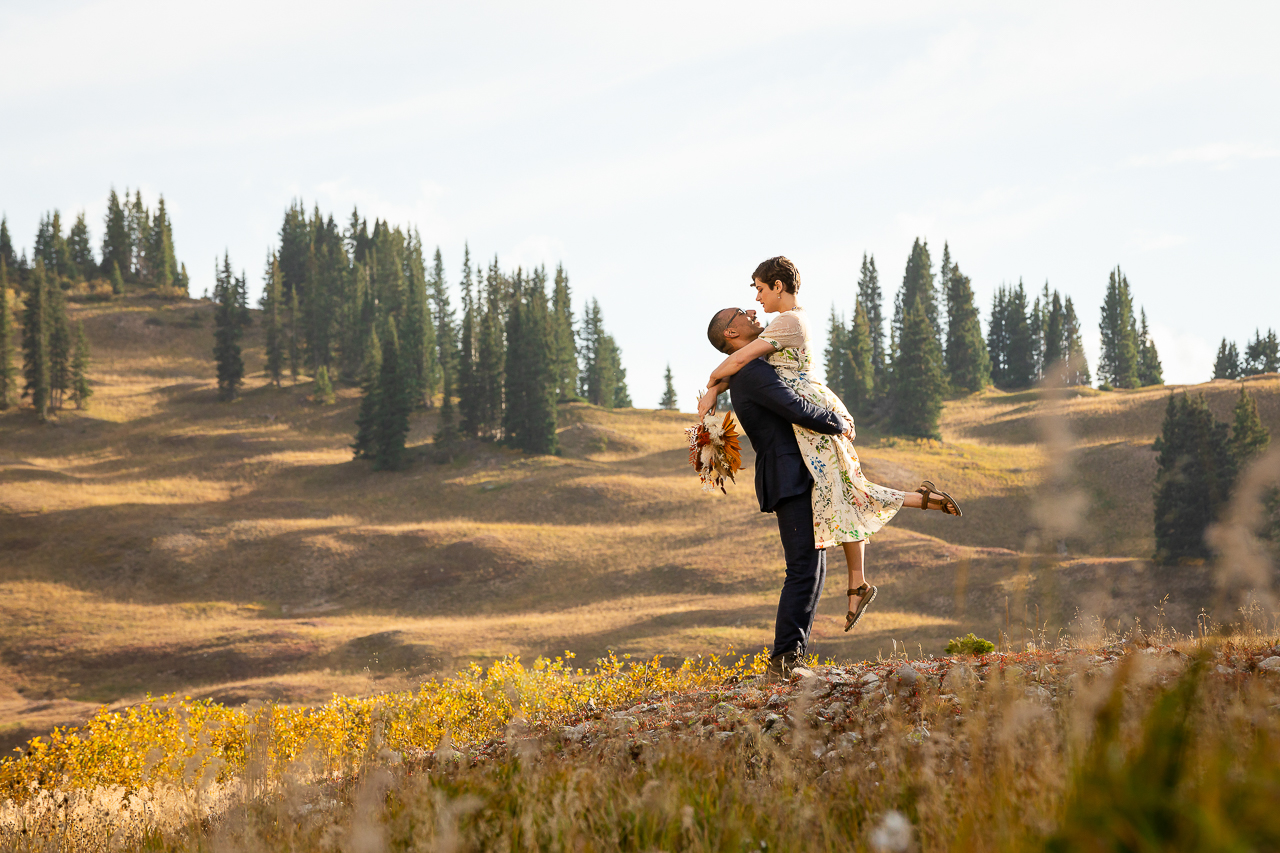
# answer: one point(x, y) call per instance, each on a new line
point(163, 541)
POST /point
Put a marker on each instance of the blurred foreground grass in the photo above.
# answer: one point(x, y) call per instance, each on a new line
point(1168, 747)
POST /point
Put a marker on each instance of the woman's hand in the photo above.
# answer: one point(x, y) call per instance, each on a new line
point(707, 402)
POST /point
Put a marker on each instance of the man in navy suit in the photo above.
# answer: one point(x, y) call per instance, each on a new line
point(767, 408)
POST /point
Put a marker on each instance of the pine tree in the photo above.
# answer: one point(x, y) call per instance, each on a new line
point(36, 370)
point(529, 420)
point(917, 285)
point(1249, 438)
point(138, 221)
point(161, 265)
point(564, 351)
point(60, 344)
point(873, 304)
point(1227, 364)
point(1020, 365)
point(7, 255)
point(968, 363)
point(837, 354)
point(1077, 372)
point(998, 338)
point(80, 390)
point(491, 355)
point(271, 307)
point(8, 375)
point(1118, 365)
point(229, 319)
point(468, 388)
point(446, 331)
point(1149, 370)
point(598, 380)
point(919, 380)
point(669, 401)
point(79, 249)
point(1195, 470)
point(417, 330)
point(365, 444)
point(859, 375)
point(117, 280)
point(1262, 354)
point(51, 248)
point(621, 396)
point(396, 389)
point(295, 346)
point(322, 388)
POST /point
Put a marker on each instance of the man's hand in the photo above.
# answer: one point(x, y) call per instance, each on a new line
point(707, 402)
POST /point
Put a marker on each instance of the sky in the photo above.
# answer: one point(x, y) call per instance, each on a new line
point(660, 151)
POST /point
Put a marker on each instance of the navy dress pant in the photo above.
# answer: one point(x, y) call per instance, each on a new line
point(806, 572)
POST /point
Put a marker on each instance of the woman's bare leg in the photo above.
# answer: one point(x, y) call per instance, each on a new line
point(913, 500)
point(854, 553)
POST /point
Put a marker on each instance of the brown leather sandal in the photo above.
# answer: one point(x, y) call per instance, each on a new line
point(947, 504)
point(868, 593)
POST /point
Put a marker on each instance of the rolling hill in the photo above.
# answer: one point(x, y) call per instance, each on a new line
point(162, 541)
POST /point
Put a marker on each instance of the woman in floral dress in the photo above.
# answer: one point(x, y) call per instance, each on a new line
point(847, 508)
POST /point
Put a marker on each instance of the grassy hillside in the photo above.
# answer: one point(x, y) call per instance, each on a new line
point(164, 542)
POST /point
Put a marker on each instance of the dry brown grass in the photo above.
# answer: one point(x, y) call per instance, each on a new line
point(162, 541)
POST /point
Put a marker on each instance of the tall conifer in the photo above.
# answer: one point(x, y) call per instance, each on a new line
point(1262, 354)
point(365, 443)
point(83, 264)
point(837, 354)
point(529, 421)
point(919, 382)
point(230, 312)
point(669, 401)
point(564, 350)
point(1020, 363)
point(1118, 364)
point(468, 388)
point(1077, 362)
point(968, 364)
point(917, 285)
point(998, 338)
point(275, 334)
point(873, 304)
point(60, 344)
point(859, 376)
point(80, 390)
point(36, 370)
point(1149, 370)
point(599, 378)
point(8, 374)
point(1195, 470)
point(395, 400)
point(1227, 363)
point(7, 254)
point(491, 355)
point(1249, 438)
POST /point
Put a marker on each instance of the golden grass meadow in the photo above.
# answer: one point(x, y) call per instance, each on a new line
point(315, 629)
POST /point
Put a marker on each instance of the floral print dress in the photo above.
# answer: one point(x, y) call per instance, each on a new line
point(846, 507)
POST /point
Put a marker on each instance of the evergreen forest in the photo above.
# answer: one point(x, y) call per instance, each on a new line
point(899, 373)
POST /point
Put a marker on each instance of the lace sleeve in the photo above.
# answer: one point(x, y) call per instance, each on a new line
point(786, 330)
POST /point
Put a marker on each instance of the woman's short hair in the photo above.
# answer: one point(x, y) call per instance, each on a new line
point(778, 269)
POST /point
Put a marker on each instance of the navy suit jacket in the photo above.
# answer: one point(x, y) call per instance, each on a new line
point(767, 408)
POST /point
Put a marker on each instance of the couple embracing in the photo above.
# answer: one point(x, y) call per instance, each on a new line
point(807, 471)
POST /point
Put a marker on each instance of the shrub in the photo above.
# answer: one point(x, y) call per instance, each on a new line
point(970, 645)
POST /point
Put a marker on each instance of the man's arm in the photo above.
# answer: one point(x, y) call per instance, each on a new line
point(772, 393)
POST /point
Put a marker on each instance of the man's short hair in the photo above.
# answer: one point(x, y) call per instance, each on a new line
point(715, 329)
point(778, 269)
